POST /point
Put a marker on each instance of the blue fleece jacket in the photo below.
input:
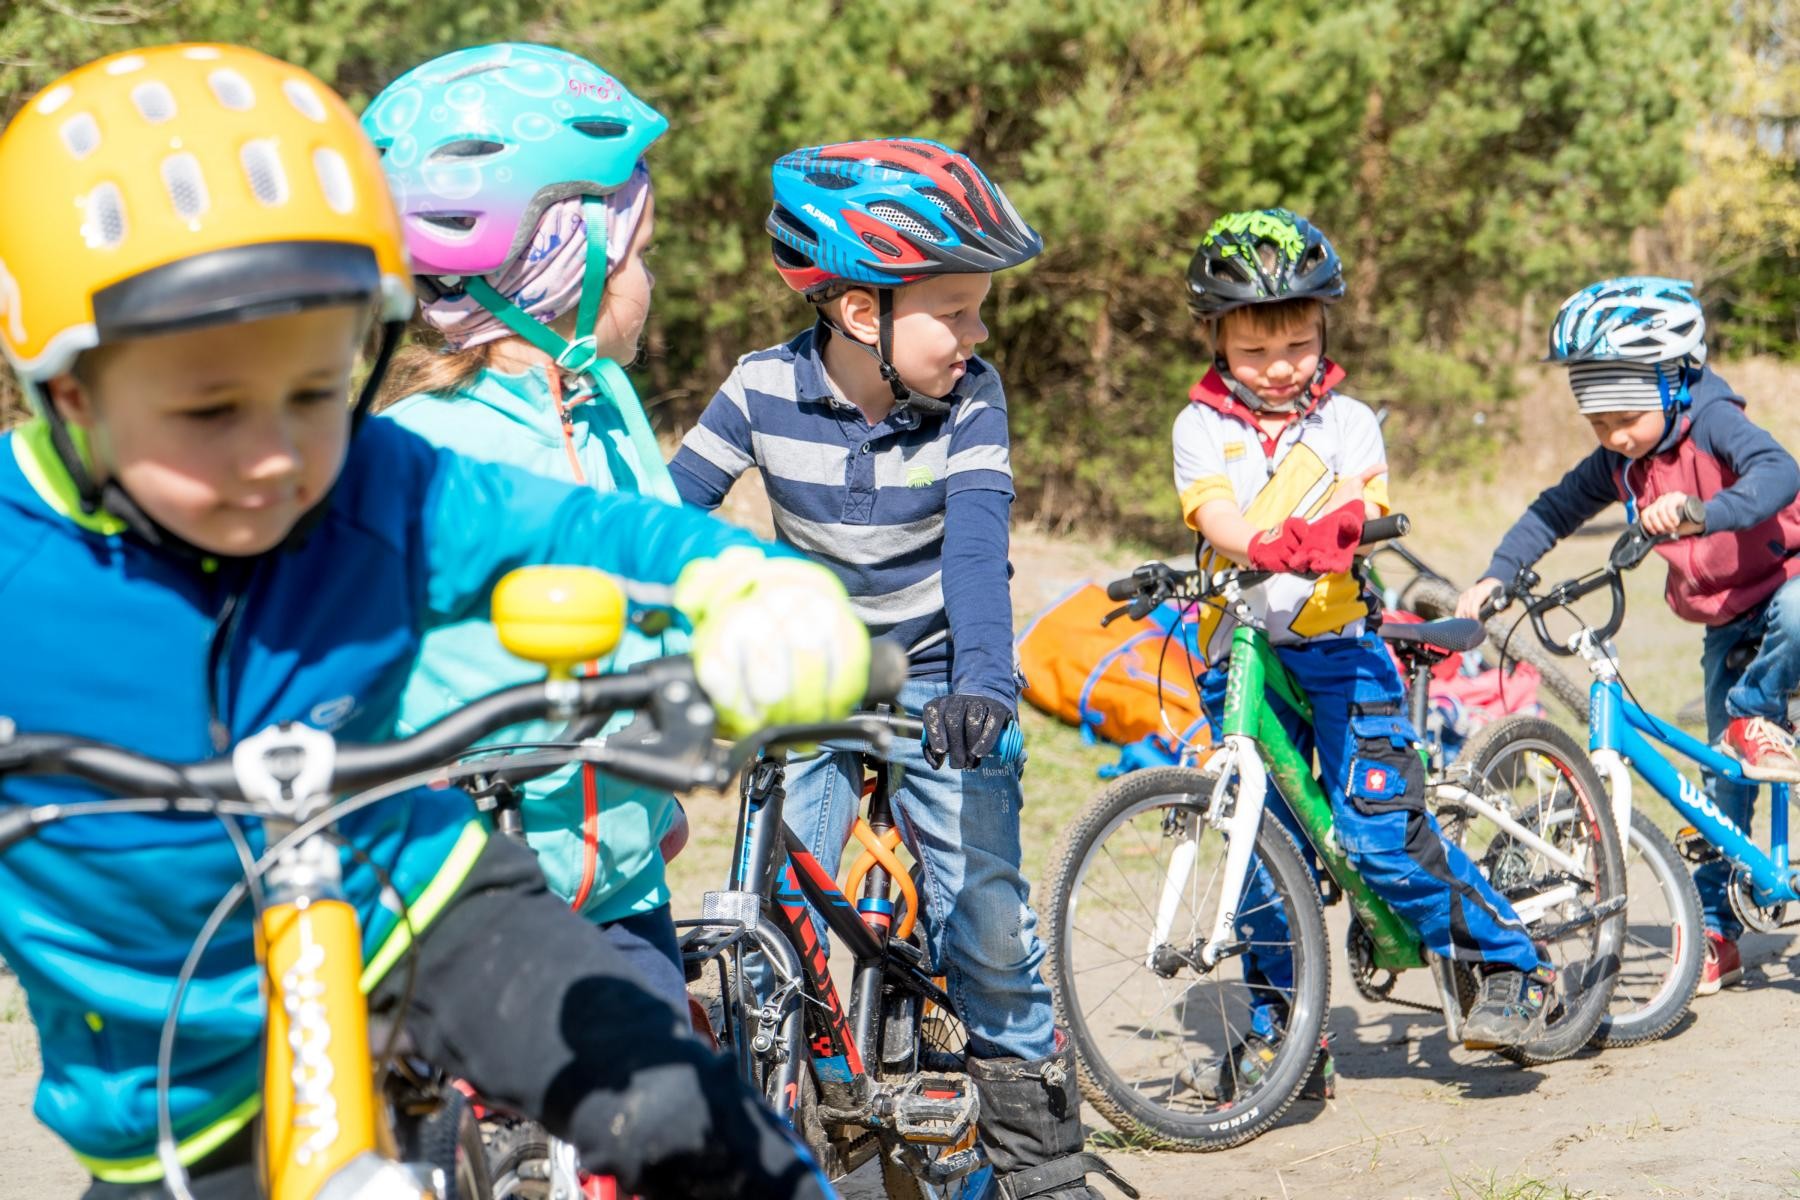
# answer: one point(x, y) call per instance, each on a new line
point(107, 638)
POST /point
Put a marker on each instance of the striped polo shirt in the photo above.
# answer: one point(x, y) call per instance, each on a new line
point(911, 512)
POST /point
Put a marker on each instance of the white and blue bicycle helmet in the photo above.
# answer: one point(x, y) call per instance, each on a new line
point(1631, 343)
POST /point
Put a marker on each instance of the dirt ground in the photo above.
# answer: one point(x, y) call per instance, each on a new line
point(1699, 1115)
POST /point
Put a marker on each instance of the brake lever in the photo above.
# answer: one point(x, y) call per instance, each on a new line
point(1114, 615)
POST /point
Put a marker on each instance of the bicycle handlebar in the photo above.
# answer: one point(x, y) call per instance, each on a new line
point(1631, 548)
point(673, 750)
point(1154, 582)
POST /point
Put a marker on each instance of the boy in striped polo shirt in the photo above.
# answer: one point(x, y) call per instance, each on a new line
point(883, 443)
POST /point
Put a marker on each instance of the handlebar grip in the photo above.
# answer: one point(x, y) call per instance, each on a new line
point(1693, 510)
point(1122, 589)
point(888, 668)
point(1385, 529)
point(1008, 751)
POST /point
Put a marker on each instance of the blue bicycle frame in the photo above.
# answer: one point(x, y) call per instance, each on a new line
point(1616, 724)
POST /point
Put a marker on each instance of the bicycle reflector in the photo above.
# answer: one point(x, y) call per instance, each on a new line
point(558, 616)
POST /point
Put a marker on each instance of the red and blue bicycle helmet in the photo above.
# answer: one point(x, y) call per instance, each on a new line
point(888, 212)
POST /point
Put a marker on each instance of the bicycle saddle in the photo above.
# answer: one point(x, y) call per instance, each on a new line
point(1452, 633)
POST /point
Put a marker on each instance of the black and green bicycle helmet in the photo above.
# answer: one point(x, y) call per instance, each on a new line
point(1261, 256)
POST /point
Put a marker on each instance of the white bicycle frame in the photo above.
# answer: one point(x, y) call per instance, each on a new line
point(1239, 819)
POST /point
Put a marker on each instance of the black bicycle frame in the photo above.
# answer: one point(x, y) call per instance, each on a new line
point(775, 864)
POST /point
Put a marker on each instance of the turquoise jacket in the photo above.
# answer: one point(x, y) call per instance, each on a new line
point(596, 837)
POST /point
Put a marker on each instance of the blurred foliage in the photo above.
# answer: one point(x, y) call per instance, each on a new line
point(1474, 162)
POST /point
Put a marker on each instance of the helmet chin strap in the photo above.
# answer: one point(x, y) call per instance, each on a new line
point(883, 354)
point(1256, 403)
point(110, 496)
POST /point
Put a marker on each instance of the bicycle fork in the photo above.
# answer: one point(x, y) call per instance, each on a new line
point(1238, 819)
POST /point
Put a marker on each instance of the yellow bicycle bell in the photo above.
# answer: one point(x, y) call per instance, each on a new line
point(558, 616)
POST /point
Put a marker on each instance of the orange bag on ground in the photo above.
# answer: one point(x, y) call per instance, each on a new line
point(1105, 680)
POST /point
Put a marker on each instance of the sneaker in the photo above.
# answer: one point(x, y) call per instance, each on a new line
point(1723, 964)
point(1763, 748)
point(1219, 1082)
point(1513, 1008)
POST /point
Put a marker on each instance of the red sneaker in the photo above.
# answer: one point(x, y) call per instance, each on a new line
point(1765, 749)
point(1723, 964)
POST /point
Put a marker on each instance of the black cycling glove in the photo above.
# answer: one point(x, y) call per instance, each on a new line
point(960, 729)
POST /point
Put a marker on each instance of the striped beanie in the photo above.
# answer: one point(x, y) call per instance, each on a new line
point(1615, 385)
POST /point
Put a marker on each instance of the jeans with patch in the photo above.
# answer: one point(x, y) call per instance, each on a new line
point(1758, 689)
point(1371, 771)
point(964, 828)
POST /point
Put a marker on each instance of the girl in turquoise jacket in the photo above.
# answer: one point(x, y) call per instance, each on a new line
point(519, 175)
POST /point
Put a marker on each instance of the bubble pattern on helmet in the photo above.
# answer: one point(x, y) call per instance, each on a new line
point(484, 140)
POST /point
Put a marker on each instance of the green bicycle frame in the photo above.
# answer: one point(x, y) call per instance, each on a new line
point(1255, 670)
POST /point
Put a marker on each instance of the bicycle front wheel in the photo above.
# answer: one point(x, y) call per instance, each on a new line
point(1554, 855)
point(1665, 944)
point(1175, 1053)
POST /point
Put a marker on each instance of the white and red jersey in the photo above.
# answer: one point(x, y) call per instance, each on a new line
point(1222, 453)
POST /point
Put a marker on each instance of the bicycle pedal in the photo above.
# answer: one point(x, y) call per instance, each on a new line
point(933, 1110)
point(1692, 845)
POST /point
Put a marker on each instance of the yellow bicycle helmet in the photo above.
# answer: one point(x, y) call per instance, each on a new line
point(178, 187)
point(181, 186)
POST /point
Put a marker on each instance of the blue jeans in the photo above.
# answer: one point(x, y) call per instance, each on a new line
point(1758, 690)
point(964, 827)
point(1370, 769)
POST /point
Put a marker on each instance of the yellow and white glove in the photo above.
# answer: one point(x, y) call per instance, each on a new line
point(775, 640)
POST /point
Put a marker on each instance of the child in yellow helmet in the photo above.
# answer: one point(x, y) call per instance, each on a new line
point(200, 537)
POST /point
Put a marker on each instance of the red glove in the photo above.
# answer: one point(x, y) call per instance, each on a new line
point(1298, 546)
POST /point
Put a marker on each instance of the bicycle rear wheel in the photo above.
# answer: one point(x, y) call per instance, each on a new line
point(1665, 946)
point(1573, 904)
point(1149, 1022)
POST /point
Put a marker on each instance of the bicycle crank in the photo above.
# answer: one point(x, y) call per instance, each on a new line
point(1372, 983)
point(1763, 919)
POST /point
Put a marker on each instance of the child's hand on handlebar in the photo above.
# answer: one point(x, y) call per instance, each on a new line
point(1670, 515)
point(1469, 604)
point(775, 640)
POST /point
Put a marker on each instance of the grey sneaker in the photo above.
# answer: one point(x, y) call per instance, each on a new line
point(1513, 1008)
point(1224, 1079)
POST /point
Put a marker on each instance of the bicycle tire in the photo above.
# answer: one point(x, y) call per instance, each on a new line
point(1435, 599)
point(449, 1138)
point(1583, 989)
point(1126, 1107)
point(1671, 991)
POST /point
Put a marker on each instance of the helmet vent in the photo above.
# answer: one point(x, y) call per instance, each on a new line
point(467, 148)
point(829, 181)
point(306, 102)
point(599, 129)
point(155, 103)
point(983, 219)
point(793, 225)
point(231, 89)
point(125, 65)
point(201, 53)
point(81, 134)
point(950, 206)
point(448, 222)
point(262, 168)
point(187, 186)
point(334, 179)
point(105, 225)
point(904, 221)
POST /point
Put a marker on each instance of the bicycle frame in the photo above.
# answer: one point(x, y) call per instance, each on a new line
point(318, 1075)
point(1623, 737)
point(804, 1013)
point(1257, 745)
